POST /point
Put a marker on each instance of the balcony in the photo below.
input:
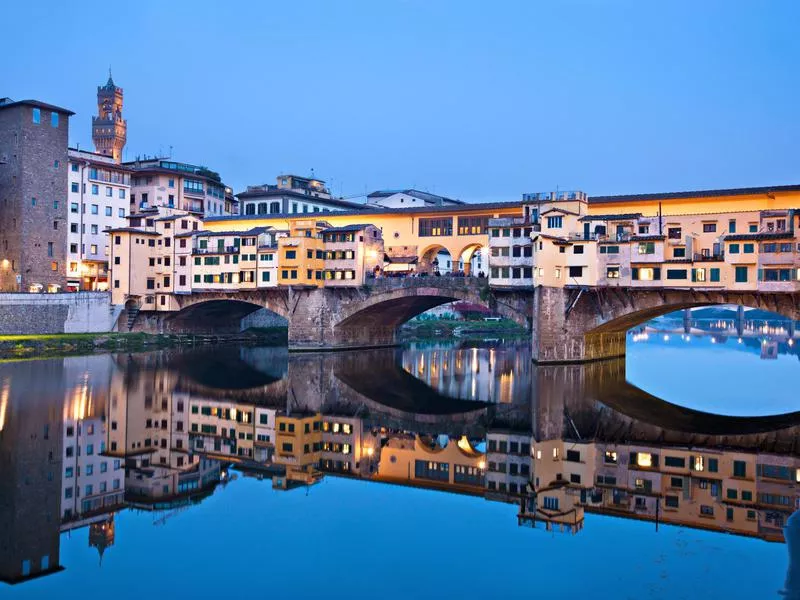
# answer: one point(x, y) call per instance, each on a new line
point(217, 250)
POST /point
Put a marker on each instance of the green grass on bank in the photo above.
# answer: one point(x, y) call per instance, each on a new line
point(65, 337)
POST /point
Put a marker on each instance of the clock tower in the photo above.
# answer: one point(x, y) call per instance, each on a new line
point(109, 129)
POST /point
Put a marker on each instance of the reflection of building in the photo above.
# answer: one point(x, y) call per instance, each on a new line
point(493, 374)
point(424, 462)
point(554, 506)
point(31, 467)
point(102, 535)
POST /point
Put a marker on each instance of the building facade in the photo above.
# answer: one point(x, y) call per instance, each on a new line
point(99, 199)
point(33, 203)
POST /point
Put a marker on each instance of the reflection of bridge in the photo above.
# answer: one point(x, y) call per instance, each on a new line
point(570, 324)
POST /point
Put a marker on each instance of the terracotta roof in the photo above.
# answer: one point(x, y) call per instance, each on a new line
point(766, 235)
point(133, 230)
point(749, 191)
point(621, 217)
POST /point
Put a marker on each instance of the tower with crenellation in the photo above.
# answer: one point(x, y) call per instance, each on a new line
point(109, 129)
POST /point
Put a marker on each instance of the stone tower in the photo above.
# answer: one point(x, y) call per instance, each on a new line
point(109, 129)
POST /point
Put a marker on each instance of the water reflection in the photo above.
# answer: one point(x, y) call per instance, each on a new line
point(83, 438)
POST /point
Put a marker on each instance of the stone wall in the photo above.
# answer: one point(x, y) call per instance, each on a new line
point(84, 312)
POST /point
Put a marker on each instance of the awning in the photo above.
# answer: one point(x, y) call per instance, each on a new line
point(407, 260)
point(397, 267)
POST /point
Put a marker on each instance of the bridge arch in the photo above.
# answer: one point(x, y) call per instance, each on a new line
point(221, 313)
point(377, 316)
point(574, 324)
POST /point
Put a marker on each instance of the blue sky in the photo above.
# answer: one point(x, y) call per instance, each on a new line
point(477, 100)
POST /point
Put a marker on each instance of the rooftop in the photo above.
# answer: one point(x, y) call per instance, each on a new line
point(377, 210)
point(9, 103)
point(748, 191)
point(426, 196)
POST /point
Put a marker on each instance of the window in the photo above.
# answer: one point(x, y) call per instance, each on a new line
point(436, 227)
point(74, 188)
point(748, 248)
point(555, 222)
point(291, 254)
point(676, 273)
point(732, 226)
point(732, 494)
point(741, 275)
point(610, 457)
point(671, 501)
point(576, 271)
point(93, 248)
point(577, 249)
point(54, 119)
point(95, 189)
point(95, 209)
point(93, 229)
point(50, 249)
point(609, 249)
point(674, 461)
point(647, 248)
point(739, 468)
point(37, 116)
point(714, 274)
point(612, 272)
point(646, 273)
point(679, 252)
point(709, 227)
point(674, 233)
point(706, 510)
point(733, 249)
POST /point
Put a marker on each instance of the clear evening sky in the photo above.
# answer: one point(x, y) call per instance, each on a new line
point(475, 100)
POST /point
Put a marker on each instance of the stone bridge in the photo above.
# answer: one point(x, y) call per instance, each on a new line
point(336, 317)
point(571, 324)
point(583, 324)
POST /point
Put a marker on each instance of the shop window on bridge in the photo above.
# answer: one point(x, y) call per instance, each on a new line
point(646, 273)
point(776, 274)
point(436, 227)
point(679, 252)
point(740, 275)
point(550, 503)
point(676, 273)
point(470, 225)
point(698, 275)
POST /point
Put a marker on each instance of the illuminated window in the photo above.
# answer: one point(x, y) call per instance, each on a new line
point(610, 457)
point(698, 464)
point(644, 459)
point(555, 453)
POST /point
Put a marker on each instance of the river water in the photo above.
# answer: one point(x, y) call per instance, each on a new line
point(433, 470)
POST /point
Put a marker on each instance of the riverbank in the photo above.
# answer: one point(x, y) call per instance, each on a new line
point(20, 347)
point(452, 328)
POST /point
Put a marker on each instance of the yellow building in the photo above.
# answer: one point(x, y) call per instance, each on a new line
point(301, 254)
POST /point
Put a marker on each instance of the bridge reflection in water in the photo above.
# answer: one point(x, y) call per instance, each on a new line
point(83, 438)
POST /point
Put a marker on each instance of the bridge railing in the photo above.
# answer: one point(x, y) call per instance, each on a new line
point(422, 280)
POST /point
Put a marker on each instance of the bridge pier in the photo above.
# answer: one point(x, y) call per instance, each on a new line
point(563, 320)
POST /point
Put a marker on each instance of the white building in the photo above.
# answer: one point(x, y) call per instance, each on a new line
point(408, 199)
point(292, 194)
point(99, 199)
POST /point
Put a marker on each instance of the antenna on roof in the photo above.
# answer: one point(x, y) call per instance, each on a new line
point(312, 173)
point(170, 151)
